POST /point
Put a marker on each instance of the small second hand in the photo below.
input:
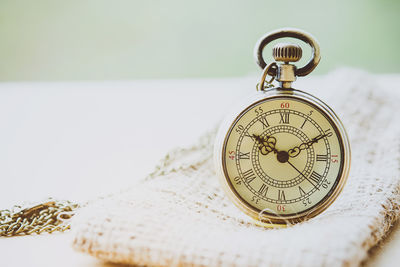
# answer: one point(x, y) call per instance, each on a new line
point(302, 175)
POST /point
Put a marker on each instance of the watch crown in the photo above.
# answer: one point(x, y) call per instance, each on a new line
point(287, 52)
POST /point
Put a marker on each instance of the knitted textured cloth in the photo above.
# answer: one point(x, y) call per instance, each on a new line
point(179, 215)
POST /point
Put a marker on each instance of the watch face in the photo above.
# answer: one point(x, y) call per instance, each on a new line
point(283, 156)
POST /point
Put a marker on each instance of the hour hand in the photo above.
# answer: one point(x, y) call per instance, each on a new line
point(266, 144)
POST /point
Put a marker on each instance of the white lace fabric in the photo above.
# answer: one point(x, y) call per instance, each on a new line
point(180, 216)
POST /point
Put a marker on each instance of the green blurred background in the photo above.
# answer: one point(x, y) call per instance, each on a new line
point(139, 39)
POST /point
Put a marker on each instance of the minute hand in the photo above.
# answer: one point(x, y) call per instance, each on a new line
point(294, 152)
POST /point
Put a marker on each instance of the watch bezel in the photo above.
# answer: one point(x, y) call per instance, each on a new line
point(230, 122)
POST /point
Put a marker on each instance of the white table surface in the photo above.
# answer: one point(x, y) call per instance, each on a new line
point(78, 141)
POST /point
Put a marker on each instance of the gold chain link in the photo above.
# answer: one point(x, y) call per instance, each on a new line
point(55, 215)
point(51, 216)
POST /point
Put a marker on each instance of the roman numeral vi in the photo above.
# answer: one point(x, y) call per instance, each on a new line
point(281, 195)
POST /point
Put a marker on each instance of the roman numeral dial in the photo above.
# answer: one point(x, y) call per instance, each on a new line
point(283, 156)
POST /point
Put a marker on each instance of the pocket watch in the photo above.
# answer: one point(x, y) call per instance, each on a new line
point(282, 155)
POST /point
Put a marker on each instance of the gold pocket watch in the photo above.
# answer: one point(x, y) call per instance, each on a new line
point(283, 156)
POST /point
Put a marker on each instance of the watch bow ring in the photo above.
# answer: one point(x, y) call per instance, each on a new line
point(294, 33)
